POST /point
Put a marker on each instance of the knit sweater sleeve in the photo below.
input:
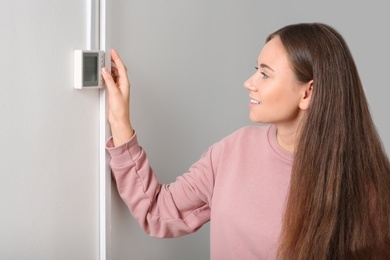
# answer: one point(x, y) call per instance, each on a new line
point(179, 208)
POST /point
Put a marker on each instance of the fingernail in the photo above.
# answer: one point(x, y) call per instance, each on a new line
point(104, 70)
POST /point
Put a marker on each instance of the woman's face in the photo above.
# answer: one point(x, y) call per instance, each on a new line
point(273, 91)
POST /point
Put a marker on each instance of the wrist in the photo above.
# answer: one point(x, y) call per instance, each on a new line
point(121, 133)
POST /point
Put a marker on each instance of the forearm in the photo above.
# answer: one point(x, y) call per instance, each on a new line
point(121, 132)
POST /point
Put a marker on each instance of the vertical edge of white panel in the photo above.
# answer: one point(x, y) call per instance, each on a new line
point(105, 171)
point(93, 27)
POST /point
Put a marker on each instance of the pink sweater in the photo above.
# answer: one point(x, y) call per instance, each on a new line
point(240, 184)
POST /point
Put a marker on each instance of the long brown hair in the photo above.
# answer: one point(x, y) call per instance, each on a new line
point(338, 205)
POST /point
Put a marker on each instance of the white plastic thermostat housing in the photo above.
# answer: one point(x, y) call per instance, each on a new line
point(88, 65)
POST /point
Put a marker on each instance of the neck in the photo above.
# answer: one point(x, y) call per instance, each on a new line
point(286, 140)
point(286, 135)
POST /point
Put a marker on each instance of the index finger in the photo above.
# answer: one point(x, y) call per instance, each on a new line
point(118, 62)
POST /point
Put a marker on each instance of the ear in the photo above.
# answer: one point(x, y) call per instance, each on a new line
point(304, 103)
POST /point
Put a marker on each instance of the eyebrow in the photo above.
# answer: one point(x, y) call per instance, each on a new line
point(262, 65)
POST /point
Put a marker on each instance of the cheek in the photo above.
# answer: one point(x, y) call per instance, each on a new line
point(281, 105)
point(283, 94)
point(286, 100)
point(276, 97)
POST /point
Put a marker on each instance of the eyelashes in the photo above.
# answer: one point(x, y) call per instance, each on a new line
point(264, 76)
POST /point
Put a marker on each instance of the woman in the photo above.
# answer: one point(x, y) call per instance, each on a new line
point(312, 184)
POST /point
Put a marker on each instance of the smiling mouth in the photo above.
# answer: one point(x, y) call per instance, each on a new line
point(254, 101)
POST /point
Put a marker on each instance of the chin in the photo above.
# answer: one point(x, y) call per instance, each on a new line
point(257, 120)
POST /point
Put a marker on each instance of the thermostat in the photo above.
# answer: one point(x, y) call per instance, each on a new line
point(88, 65)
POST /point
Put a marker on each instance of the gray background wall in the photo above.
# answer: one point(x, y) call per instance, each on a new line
point(187, 62)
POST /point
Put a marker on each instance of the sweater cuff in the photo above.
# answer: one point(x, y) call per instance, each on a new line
point(124, 154)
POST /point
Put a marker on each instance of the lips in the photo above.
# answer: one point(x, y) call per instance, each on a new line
point(254, 101)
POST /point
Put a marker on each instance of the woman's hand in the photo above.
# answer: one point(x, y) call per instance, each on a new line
point(118, 88)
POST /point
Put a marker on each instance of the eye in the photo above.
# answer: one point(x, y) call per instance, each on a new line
point(264, 75)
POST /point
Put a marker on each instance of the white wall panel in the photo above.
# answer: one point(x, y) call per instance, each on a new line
point(49, 152)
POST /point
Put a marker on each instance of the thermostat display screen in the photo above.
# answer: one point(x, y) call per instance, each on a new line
point(87, 69)
point(90, 69)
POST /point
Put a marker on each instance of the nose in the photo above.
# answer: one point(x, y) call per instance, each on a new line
point(249, 84)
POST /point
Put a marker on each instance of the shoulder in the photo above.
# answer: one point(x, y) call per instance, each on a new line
point(248, 133)
point(244, 137)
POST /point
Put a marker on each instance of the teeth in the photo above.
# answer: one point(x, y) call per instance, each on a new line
point(253, 101)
